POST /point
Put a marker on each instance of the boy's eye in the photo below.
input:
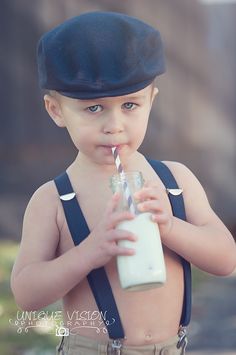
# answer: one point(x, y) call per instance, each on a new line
point(94, 108)
point(129, 106)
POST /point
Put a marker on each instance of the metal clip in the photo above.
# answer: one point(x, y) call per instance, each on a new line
point(116, 347)
point(68, 197)
point(174, 192)
point(183, 340)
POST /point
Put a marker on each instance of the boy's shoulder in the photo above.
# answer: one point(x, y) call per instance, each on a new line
point(185, 178)
point(46, 192)
point(199, 212)
point(44, 200)
point(179, 170)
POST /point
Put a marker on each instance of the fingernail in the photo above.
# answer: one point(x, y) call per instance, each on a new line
point(140, 207)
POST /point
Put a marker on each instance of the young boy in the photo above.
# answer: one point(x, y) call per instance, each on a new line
point(99, 70)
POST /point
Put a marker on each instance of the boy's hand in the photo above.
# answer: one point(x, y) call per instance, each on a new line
point(151, 198)
point(102, 241)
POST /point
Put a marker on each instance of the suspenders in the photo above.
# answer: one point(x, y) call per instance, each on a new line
point(97, 278)
point(177, 204)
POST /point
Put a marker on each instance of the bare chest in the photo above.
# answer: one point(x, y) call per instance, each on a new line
point(93, 197)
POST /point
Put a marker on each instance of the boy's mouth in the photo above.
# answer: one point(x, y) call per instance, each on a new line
point(110, 146)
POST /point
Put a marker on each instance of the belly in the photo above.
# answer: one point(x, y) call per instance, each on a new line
point(150, 316)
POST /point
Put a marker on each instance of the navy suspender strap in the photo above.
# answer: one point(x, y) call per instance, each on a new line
point(97, 278)
point(177, 204)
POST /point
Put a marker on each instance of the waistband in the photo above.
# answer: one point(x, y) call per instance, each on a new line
point(74, 341)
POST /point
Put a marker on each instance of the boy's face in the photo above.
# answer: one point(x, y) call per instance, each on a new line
point(96, 125)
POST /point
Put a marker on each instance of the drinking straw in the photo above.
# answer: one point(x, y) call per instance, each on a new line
point(126, 189)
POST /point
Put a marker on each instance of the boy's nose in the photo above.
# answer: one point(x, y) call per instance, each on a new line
point(113, 123)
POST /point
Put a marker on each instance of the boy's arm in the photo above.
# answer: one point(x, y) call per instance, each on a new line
point(40, 277)
point(203, 240)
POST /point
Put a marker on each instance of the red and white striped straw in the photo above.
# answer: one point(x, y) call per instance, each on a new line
point(124, 182)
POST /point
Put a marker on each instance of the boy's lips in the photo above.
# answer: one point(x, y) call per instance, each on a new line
point(113, 145)
point(109, 146)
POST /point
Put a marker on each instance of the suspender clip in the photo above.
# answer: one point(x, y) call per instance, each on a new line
point(183, 341)
point(116, 347)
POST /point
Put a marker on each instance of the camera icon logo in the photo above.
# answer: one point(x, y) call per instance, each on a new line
point(62, 331)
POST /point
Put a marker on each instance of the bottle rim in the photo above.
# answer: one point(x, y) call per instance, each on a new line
point(120, 177)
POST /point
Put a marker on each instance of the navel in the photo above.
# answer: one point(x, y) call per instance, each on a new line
point(148, 337)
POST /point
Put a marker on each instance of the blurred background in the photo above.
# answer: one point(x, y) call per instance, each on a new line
point(193, 121)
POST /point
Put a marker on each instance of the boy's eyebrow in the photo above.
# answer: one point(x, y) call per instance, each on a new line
point(137, 97)
point(122, 98)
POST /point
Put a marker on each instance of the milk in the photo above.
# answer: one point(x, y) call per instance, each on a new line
point(146, 269)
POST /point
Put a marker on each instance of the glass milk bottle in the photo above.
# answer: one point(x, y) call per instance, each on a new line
point(146, 268)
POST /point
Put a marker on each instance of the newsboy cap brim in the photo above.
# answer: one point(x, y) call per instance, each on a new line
point(100, 54)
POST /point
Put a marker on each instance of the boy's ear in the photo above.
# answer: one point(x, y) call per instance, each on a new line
point(155, 91)
point(53, 108)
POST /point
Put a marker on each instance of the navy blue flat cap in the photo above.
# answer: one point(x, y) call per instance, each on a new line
point(99, 54)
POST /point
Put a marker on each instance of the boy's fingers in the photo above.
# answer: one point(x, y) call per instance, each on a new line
point(149, 193)
point(150, 205)
point(161, 218)
point(118, 250)
point(112, 204)
point(120, 234)
point(119, 217)
point(125, 251)
point(143, 193)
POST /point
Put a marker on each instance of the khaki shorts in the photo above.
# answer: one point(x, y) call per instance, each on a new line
point(80, 345)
